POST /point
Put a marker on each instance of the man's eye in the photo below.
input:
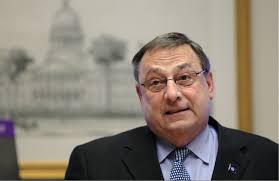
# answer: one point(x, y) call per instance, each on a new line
point(155, 82)
point(184, 77)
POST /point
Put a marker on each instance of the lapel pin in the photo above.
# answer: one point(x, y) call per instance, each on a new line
point(232, 168)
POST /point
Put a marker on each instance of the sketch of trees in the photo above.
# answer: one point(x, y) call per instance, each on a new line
point(19, 61)
point(16, 63)
point(106, 51)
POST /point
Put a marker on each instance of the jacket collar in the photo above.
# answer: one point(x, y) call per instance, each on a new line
point(140, 157)
point(231, 160)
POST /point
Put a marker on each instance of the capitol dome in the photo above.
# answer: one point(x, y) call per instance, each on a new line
point(66, 24)
point(66, 42)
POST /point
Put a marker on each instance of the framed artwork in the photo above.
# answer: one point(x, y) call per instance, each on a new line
point(66, 75)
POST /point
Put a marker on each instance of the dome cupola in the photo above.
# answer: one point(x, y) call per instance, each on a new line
point(66, 25)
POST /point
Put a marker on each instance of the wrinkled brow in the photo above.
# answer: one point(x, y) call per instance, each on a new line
point(161, 71)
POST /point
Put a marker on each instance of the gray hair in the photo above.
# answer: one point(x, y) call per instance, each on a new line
point(168, 41)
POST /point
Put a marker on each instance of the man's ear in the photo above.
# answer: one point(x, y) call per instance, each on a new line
point(210, 84)
point(139, 91)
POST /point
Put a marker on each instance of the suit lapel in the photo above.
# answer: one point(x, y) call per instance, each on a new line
point(140, 158)
point(231, 160)
point(230, 167)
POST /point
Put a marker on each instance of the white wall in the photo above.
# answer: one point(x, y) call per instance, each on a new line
point(265, 67)
point(221, 50)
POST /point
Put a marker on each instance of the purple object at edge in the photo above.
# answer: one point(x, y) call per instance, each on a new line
point(6, 128)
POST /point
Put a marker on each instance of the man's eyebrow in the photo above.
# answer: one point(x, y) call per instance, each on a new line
point(160, 71)
point(154, 70)
point(182, 66)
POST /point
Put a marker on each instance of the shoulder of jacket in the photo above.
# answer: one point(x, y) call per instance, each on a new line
point(238, 137)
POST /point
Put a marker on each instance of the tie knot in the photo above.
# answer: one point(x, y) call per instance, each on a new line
point(181, 154)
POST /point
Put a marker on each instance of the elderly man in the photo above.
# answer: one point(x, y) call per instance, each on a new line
point(181, 140)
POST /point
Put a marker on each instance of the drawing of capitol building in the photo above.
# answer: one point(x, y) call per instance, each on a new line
point(69, 83)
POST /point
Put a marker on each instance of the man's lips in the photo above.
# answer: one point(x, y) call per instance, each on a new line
point(169, 112)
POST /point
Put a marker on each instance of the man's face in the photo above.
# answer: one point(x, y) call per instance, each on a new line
point(176, 113)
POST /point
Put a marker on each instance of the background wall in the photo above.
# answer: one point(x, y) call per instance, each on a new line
point(265, 67)
point(210, 23)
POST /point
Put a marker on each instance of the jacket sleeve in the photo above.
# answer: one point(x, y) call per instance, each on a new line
point(77, 167)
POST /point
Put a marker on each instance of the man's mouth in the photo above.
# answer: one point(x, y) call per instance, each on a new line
point(175, 111)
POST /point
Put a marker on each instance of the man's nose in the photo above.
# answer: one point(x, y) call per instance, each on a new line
point(172, 91)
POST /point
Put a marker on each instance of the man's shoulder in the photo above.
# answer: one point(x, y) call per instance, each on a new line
point(249, 138)
point(239, 137)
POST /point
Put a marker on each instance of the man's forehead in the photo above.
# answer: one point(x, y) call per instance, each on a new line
point(170, 54)
point(160, 70)
point(179, 56)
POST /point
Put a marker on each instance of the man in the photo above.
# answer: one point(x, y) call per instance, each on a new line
point(181, 140)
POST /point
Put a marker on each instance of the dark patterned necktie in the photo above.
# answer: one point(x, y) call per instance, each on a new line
point(178, 171)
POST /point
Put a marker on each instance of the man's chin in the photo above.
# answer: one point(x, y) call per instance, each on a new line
point(180, 124)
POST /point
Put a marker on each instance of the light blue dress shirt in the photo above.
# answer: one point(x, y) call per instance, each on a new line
point(200, 163)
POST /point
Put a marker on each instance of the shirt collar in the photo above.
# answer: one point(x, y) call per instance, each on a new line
point(200, 146)
point(163, 149)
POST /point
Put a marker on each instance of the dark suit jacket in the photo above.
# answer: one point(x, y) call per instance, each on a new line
point(132, 155)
